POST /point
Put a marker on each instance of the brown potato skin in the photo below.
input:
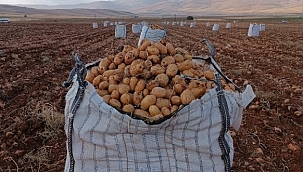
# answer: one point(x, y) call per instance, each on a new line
point(147, 101)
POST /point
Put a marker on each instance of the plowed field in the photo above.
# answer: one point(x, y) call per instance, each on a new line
point(36, 58)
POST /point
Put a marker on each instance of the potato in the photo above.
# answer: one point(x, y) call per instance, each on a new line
point(171, 70)
point(129, 57)
point(143, 55)
point(152, 84)
point(102, 70)
point(178, 58)
point(178, 88)
point(125, 99)
point(136, 52)
point(209, 75)
point(179, 80)
point(145, 92)
point(121, 66)
point(128, 108)
point(170, 49)
point(119, 57)
point(111, 58)
point(162, 102)
point(168, 60)
point(115, 103)
point(127, 71)
point(146, 74)
point(137, 98)
point(123, 88)
point(154, 58)
point(136, 70)
point(163, 79)
point(113, 87)
point(176, 100)
point(104, 63)
point(112, 66)
point(157, 69)
point(140, 85)
point(187, 64)
point(118, 77)
point(97, 80)
point(103, 85)
point(152, 50)
point(126, 81)
point(95, 70)
point(115, 95)
point(159, 92)
point(141, 112)
point(144, 45)
point(198, 92)
point(165, 111)
point(90, 77)
point(106, 98)
point(187, 73)
point(147, 101)
point(102, 92)
point(187, 96)
point(154, 110)
point(137, 61)
point(111, 80)
point(174, 108)
point(148, 64)
point(162, 49)
point(194, 84)
point(109, 73)
point(132, 83)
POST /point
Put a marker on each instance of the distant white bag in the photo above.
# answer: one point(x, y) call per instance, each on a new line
point(216, 27)
point(105, 23)
point(95, 25)
point(136, 28)
point(120, 31)
point(228, 25)
point(150, 34)
point(253, 30)
point(262, 27)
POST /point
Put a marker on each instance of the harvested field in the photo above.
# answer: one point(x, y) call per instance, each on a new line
point(36, 58)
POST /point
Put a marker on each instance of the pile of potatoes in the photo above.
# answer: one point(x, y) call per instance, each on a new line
point(151, 81)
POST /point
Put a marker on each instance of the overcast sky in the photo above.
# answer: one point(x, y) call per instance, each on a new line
point(45, 2)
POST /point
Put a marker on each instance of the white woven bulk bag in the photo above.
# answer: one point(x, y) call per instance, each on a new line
point(181, 23)
point(262, 27)
point(196, 138)
point(151, 34)
point(144, 23)
point(228, 25)
point(136, 28)
point(105, 23)
point(216, 27)
point(192, 24)
point(95, 25)
point(253, 30)
point(120, 31)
